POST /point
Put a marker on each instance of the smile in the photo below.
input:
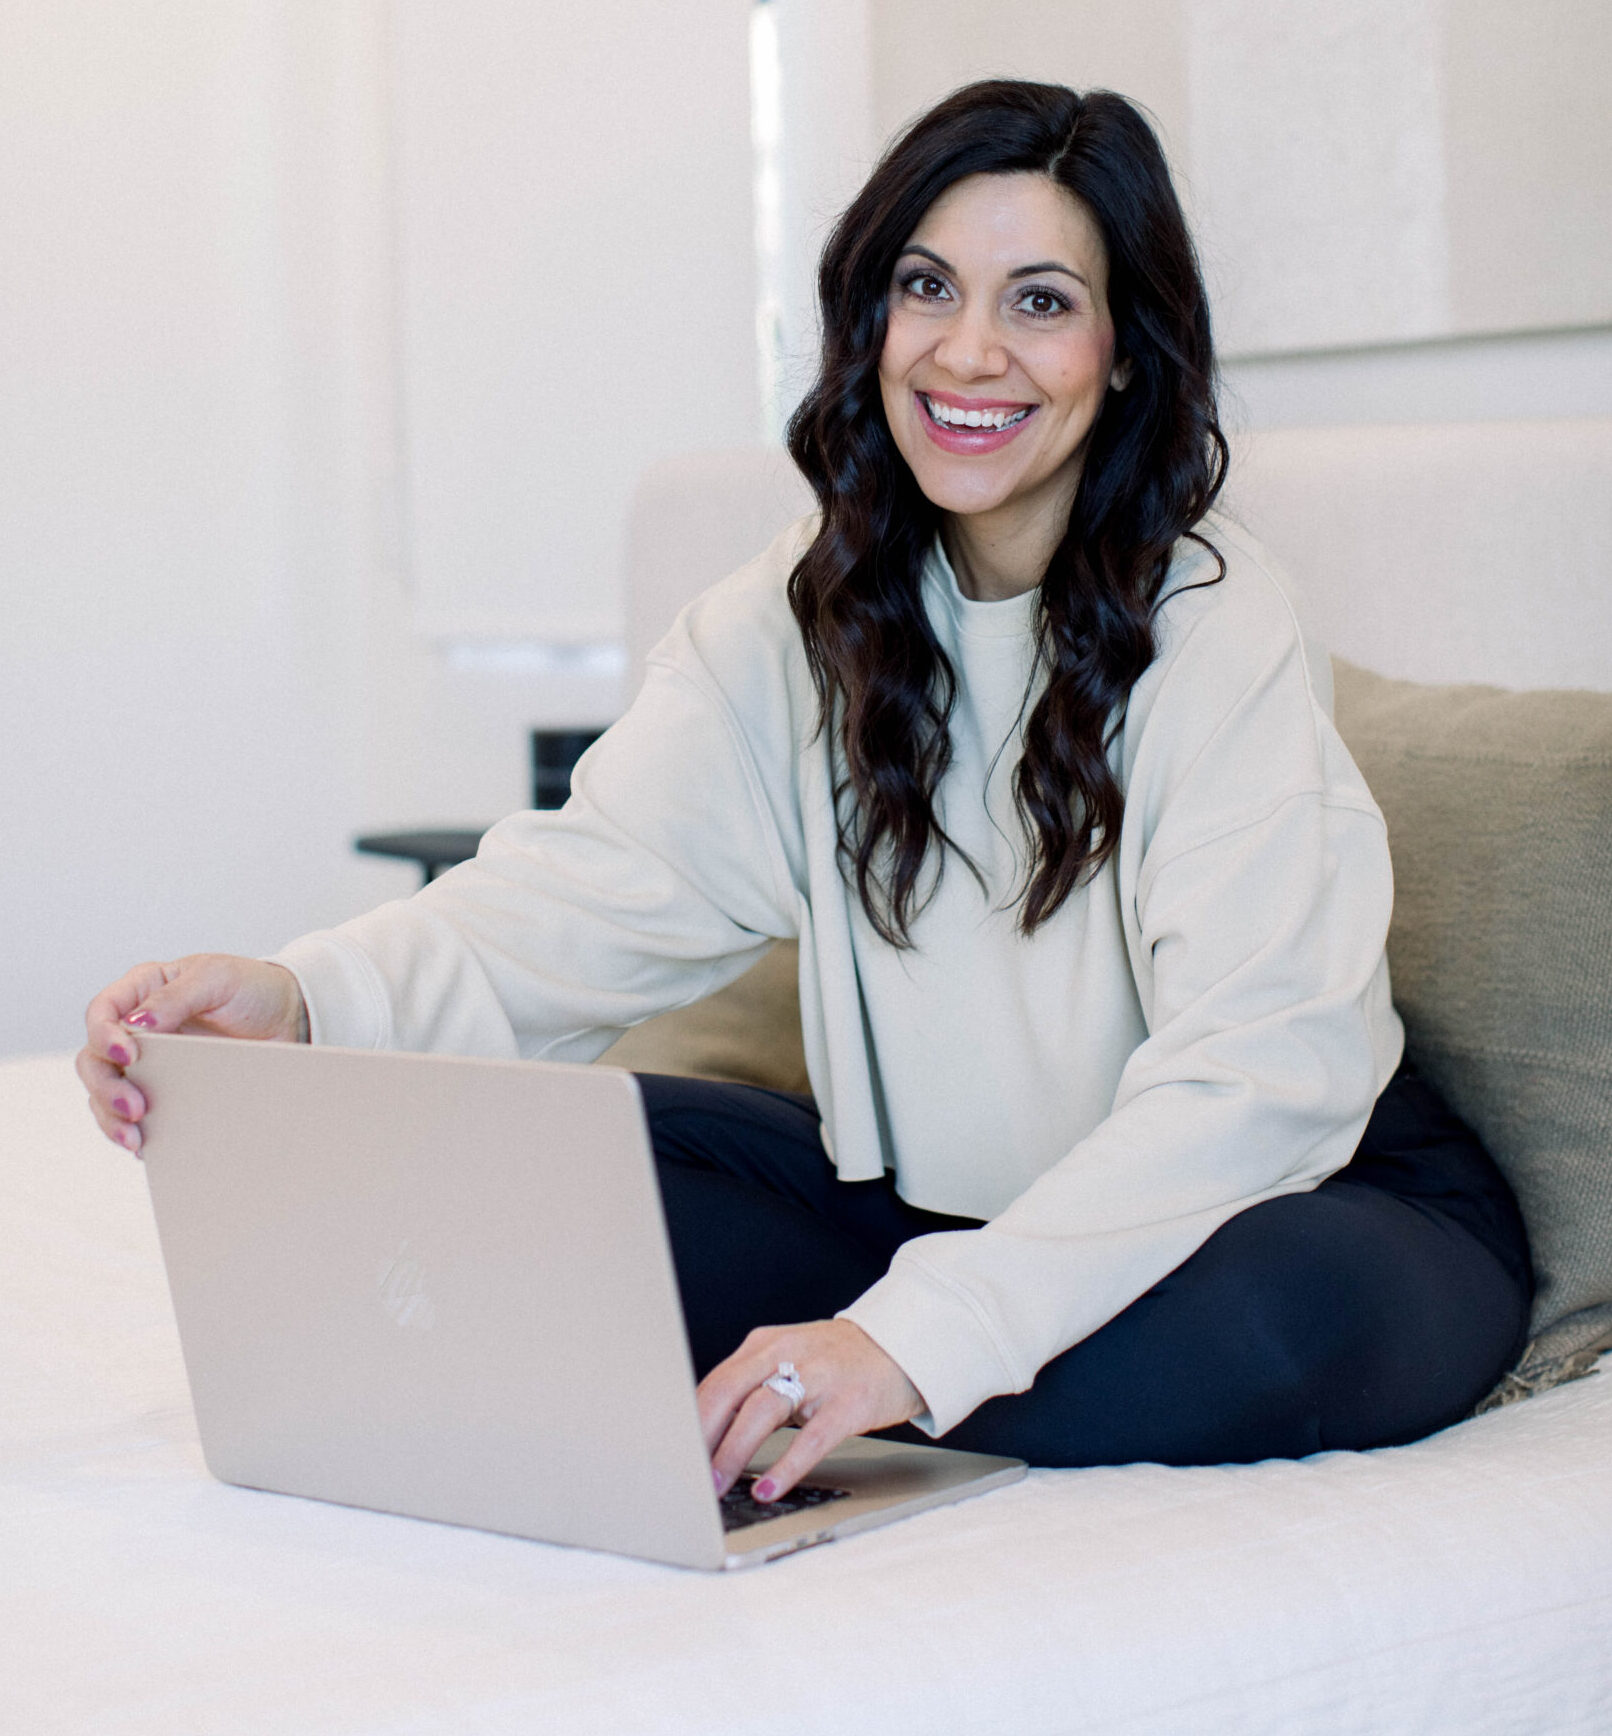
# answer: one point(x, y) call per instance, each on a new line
point(950, 417)
point(975, 432)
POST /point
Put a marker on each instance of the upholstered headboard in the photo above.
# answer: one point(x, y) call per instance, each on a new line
point(1445, 552)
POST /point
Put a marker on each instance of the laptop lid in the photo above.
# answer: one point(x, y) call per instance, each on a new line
point(441, 1287)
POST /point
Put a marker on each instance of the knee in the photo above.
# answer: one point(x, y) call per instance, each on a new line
point(1364, 1322)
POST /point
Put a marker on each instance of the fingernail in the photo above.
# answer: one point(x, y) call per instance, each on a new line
point(129, 1139)
point(142, 1021)
point(766, 1489)
point(118, 1055)
point(716, 1477)
point(123, 1107)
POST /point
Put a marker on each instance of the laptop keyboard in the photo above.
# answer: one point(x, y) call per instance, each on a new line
point(740, 1507)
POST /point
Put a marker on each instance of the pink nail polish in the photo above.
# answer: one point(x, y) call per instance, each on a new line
point(123, 1107)
point(142, 1021)
point(716, 1477)
point(766, 1489)
point(118, 1055)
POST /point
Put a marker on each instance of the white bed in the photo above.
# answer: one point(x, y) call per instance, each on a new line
point(1460, 1585)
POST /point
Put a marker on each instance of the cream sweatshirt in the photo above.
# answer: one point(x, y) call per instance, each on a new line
point(1203, 1026)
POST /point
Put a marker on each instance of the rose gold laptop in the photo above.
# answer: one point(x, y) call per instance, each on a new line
point(441, 1287)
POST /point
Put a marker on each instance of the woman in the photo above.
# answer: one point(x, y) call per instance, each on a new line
point(1116, 1158)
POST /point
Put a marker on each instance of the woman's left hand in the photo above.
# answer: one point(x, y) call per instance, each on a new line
point(851, 1387)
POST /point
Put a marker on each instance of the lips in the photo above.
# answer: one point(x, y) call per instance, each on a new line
point(971, 429)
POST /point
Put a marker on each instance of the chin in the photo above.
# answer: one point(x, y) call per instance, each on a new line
point(941, 486)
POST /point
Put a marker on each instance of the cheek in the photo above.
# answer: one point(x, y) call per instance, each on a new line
point(1065, 364)
point(896, 360)
point(898, 353)
point(1084, 367)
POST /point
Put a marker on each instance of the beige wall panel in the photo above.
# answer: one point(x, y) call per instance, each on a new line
point(1316, 154)
point(576, 290)
point(924, 48)
point(1529, 155)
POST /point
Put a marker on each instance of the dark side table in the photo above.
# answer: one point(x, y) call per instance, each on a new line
point(554, 753)
point(434, 851)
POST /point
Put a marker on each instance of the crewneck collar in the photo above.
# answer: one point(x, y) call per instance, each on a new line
point(1008, 618)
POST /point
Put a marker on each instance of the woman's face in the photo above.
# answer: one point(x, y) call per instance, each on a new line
point(1000, 346)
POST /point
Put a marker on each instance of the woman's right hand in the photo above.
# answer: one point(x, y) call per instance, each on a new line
point(211, 993)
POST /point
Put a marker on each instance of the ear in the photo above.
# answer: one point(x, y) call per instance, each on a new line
point(1120, 377)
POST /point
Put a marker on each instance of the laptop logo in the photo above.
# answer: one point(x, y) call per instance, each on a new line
point(402, 1291)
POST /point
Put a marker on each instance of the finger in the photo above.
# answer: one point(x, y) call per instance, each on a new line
point(832, 1425)
point(119, 1131)
point(109, 1091)
point(189, 990)
point(221, 995)
point(103, 1018)
point(759, 1415)
point(730, 1383)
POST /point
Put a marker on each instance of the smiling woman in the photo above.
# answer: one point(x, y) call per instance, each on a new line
point(1109, 1153)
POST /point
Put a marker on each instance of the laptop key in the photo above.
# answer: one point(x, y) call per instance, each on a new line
point(740, 1507)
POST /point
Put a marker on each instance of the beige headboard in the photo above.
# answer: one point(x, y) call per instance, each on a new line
point(1445, 552)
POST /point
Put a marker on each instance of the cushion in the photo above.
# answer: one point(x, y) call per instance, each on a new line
point(1499, 811)
point(748, 1032)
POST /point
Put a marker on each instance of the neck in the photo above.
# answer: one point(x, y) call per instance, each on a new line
point(997, 555)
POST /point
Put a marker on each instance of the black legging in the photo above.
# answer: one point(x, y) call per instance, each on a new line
point(1371, 1311)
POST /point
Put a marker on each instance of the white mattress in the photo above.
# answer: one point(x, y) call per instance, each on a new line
point(1461, 1585)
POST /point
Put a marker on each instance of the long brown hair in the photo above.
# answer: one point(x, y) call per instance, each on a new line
point(1153, 466)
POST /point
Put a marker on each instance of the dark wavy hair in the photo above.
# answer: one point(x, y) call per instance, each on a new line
point(1154, 463)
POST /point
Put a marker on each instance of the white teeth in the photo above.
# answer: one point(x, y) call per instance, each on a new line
point(948, 417)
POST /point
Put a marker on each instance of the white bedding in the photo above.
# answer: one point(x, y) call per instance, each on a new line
point(1461, 1585)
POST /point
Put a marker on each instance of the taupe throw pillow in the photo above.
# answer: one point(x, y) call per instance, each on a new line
point(748, 1032)
point(1499, 810)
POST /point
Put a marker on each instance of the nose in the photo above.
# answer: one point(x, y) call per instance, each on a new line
point(971, 347)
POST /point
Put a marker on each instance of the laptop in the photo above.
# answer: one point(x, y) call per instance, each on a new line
point(441, 1287)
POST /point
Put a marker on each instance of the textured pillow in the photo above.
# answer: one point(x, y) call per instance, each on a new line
point(1499, 810)
point(748, 1032)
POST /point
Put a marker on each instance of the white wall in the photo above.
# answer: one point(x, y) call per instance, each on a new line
point(163, 683)
point(576, 291)
point(213, 667)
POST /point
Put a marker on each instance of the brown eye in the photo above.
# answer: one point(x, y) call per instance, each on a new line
point(924, 286)
point(1043, 303)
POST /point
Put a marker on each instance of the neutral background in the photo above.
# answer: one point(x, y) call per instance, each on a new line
point(335, 332)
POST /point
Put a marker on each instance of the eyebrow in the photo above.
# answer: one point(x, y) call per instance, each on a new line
point(1020, 271)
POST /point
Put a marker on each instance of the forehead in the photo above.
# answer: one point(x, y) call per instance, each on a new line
point(1001, 222)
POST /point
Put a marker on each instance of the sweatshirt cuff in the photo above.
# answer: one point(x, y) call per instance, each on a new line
point(346, 1004)
point(938, 1338)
